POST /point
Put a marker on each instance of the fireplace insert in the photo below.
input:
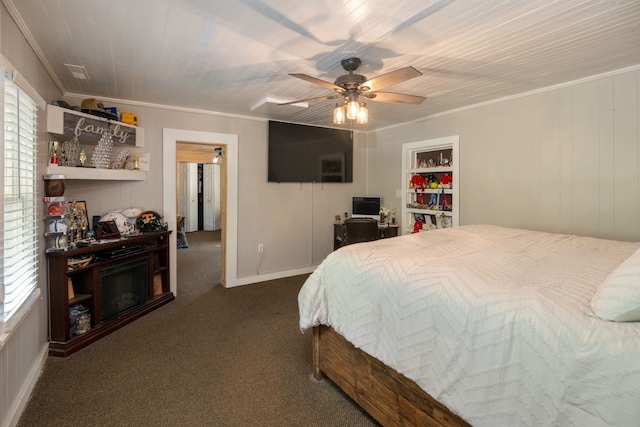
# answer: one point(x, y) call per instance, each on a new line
point(123, 287)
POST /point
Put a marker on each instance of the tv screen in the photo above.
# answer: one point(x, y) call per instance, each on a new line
point(301, 153)
point(368, 207)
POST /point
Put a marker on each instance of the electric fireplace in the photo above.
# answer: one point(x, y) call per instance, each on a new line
point(123, 286)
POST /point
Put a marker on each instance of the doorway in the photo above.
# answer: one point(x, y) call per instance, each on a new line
point(229, 201)
point(199, 193)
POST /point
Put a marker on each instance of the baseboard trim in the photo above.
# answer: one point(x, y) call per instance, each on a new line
point(272, 276)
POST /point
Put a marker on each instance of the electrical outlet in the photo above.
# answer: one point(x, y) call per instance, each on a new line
point(260, 248)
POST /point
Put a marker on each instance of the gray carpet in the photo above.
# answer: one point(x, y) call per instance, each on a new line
point(214, 357)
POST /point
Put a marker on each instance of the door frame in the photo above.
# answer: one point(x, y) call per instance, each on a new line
point(229, 215)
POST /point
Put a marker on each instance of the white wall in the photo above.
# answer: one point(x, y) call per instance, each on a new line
point(23, 353)
point(293, 221)
point(561, 160)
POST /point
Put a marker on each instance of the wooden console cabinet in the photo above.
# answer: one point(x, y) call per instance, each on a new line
point(69, 286)
point(339, 230)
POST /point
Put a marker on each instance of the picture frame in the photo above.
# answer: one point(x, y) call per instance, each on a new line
point(144, 160)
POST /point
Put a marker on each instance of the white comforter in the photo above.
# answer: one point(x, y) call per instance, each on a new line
point(488, 321)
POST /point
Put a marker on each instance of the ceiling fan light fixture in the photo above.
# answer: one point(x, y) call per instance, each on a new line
point(353, 107)
point(339, 114)
point(363, 114)
point(351, 86)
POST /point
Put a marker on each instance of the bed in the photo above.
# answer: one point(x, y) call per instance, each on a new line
point(481, 325)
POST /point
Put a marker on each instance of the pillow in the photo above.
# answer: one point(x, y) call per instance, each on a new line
point(618, 297)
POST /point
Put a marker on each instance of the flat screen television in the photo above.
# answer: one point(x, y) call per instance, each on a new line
point(301, 153)
point(365, 207)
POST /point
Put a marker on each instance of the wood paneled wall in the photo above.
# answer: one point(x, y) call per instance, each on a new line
point(562, 160)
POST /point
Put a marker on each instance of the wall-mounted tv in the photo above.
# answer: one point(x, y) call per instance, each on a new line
point(301, 153)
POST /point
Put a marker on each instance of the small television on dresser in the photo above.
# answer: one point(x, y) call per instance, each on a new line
point(366, 207)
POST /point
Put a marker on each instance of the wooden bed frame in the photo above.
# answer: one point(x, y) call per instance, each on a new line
point(389, 397)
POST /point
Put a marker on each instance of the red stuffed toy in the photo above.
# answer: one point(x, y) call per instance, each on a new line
point(418, 181)
point(445, 181)
point(417, 226)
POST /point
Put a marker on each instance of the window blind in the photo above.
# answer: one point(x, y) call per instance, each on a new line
point(19, 269)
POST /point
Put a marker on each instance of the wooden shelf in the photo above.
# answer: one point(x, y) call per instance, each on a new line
point(78, 298)
point(78, 342)
point(97, 174)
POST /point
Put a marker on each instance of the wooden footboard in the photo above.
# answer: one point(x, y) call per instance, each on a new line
point(389, 397)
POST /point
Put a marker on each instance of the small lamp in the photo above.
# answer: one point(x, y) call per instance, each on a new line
point(218, 157)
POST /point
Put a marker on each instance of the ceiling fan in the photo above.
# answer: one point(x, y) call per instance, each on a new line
point(352, 86)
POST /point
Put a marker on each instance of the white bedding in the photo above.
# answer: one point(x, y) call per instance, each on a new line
point(488, 321)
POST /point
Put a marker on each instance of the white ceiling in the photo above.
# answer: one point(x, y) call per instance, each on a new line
point(229, 55)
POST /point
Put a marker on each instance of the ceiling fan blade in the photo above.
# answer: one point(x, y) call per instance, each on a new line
point(320, 98)
point(318, 82)
point(394, 97)
point(392, 78)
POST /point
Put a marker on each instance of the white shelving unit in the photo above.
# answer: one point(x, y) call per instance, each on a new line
point(63, 124)
point(97, 174)
point(434, 157)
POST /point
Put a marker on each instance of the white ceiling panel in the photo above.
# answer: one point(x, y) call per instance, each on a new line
point(228, 55)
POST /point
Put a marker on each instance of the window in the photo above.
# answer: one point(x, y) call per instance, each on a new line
point(19, 268)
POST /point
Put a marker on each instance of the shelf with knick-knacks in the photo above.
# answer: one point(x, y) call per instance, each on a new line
point(56, 224)
point(99, 174)
point(89, 147)
point(56, 227)
point(430, 193)
point(65, 222)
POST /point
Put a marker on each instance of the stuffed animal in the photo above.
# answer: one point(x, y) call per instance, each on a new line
point(417, 226)
point(445, 181)
point(428, 226)
point(418, 181)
